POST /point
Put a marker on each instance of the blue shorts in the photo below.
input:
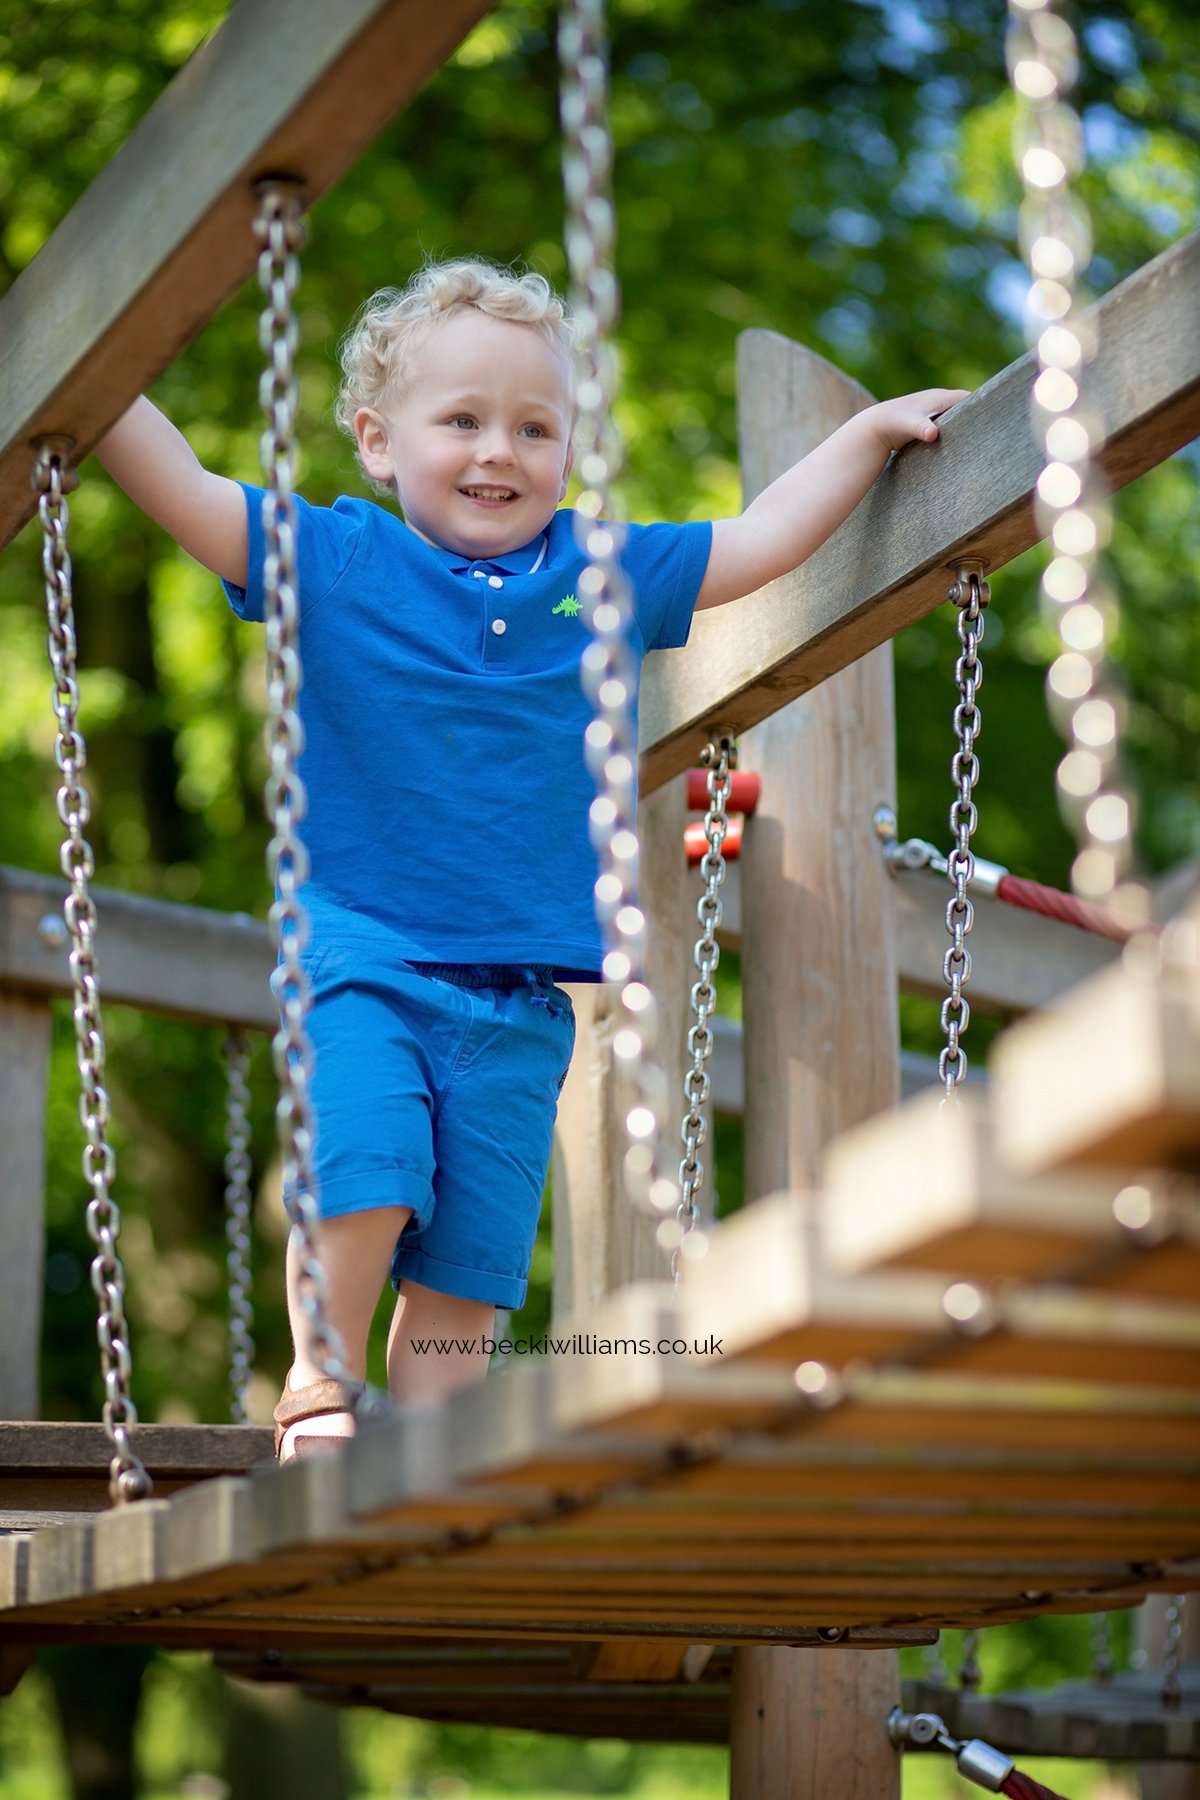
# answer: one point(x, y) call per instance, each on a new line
point(436, 1087)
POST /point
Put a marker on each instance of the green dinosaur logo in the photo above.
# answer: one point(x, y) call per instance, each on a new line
point(568, 607)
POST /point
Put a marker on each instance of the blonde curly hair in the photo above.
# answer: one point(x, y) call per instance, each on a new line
point(394, 321)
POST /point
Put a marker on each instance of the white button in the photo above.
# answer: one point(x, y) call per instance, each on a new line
point(499, 627)
point(495, 581)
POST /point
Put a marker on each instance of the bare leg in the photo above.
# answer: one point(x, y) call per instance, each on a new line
point(423, 1313)
point(356, 1251)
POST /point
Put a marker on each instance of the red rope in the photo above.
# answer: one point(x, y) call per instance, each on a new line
point(1056, 905)
point(1023, 1787)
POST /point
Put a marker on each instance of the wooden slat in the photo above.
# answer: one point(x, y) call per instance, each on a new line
point(765, 1293)
point(1125, 1051)
point(163, 236)
point(186, 961)
point(177, 1452)
point(926, 1186)
point(886, 567)
point(200, 1630)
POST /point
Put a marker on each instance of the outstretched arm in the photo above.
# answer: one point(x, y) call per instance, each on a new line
point(158, 469)
point(794, 516)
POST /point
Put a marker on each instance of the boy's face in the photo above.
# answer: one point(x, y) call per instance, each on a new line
point(478, 445)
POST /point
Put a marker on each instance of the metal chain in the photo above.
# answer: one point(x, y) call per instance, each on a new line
point(609, 666)
point(970, 1675)
point(128, 1478)
point(280, 229)
point(237, 1222)
point(1172, 1685)
point(1103, 1663)
point(970, 594)
point(1072, 501)
point(719, 757)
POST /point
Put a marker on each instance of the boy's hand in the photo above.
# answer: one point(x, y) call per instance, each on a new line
point(795, 515)
point(912, 417)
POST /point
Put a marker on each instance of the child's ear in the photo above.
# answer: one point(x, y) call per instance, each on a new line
point(566, 474)
point(374, 445)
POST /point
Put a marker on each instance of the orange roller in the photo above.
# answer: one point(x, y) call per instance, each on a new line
point(696, 844)
point(743, 791)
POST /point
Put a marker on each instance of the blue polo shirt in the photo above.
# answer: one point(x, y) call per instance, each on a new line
point(444, 719)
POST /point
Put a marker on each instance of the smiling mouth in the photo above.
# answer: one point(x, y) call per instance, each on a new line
point(488, 494)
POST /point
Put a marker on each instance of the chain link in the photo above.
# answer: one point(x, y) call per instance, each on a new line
point(128, 1478)
point(609, 665)
point(719, 757)
point(280, 230)
point(237, 1222)
point(970, 594)
point(1172, 1685)
point(1103, 1661)
point(1071, 499)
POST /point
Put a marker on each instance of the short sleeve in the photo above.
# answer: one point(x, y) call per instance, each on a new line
point(327, 537)
point(666, 565)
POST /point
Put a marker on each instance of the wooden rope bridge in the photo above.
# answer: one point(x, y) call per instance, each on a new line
point(953, 1365)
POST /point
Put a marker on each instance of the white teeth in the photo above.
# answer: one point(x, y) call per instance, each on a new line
point(490, 493)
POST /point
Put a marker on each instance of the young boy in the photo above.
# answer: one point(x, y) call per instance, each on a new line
point(442, 699)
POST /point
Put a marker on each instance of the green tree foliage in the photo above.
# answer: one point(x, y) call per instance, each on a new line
point(837, 172)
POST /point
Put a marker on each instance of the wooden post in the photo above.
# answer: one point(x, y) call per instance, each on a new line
point(807, 1722)
point(821, 1047)
point(599, 1242)
point(24, 1062)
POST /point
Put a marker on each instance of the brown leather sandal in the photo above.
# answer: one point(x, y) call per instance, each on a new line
point(297, 1404)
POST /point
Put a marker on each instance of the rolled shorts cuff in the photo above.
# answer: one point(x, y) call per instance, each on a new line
point(373, 1189)
point(488, 1285)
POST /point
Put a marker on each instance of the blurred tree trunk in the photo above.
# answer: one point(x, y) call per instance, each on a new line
point(96, 1692)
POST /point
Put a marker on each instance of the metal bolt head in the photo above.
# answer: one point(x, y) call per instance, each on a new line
point(52, 932)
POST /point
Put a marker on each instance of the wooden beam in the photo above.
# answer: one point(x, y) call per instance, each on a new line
point(163, 235)
point(887, 566)
point(210, 967)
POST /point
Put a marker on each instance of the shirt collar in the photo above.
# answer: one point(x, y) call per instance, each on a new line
point(523, 561)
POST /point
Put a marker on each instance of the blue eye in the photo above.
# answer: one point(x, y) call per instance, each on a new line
point(463, 419)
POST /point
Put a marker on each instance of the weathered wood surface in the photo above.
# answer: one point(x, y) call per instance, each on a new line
point(928, 1186)
point(213, 968)
point(813, 1721)
point(821, 1045)
point(51, 1471)
point(1125, 1051)
point(845, 1454)
point(164, 234)
point(887, 566)
point(24, 1070)
point(187, 961)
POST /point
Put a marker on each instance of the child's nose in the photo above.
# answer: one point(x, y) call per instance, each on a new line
point(495, 446)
